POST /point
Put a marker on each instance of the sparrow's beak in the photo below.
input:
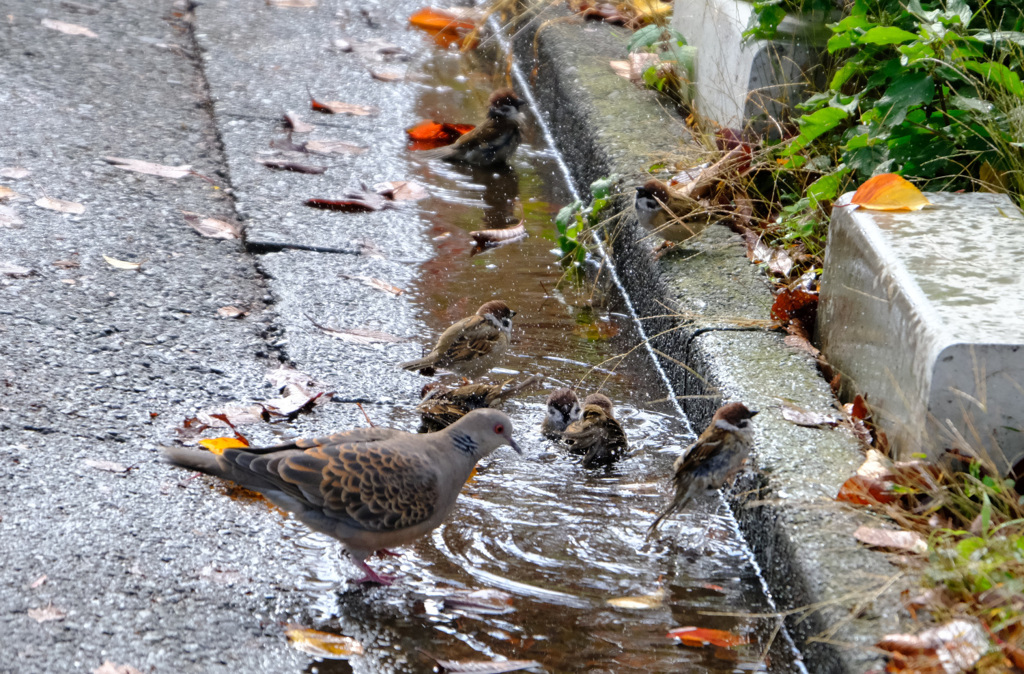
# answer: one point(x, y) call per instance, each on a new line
point(753, 413)
point(513, 445)
point(521, 103)
point(514, 314)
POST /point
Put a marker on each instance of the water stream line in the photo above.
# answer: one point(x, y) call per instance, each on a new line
point(527, 92)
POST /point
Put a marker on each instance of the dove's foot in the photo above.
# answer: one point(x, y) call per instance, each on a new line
point(384, 552)
point(372, 576)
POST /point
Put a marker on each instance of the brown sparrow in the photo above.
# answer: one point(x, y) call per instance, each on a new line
point(714, 459)
point(371, 489)
point(597, 433)
point(563, 408)
point(471, 346)
point(441, 407)
point(667, 214)
point(494, 141)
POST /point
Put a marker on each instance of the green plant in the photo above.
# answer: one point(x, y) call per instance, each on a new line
point(675, 64)
point(574, 220)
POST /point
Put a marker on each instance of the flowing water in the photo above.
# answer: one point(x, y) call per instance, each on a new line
point(557, 539)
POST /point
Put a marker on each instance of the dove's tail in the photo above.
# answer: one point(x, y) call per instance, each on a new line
point(196, 459)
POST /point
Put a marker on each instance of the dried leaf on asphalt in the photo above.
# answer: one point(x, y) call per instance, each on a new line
point(950, 648)
point(333, 147)
point(46, 613)
point(352, 202)
point(801, 343)
point(698, 637)
point(14, 172)
point(797, 304)
point(293, 166)
point(283, 376)
point(149, 168)
point(15, 271)
point(375, 283)
point(296, 124)
point(641, 602)
point(231, 312)
point(889, 192)
point(109, 667)
point(485, 666)
point(68, 28)
point(109, 466)
point(322, 644)
point(211, 227)
point(60, 206)
point(295, 4)
point(434, 19)
point(401, 190)
point(480, 602)
point(622, 69)
point(121, 264)
point(37, 582)
point(7, 193)
point(287, 145)
point(229, 416)
point(9, 217)
point(218, 445)
point(908, 541)
point(340, 108)
point(387, 74)
point(807, 418)
point(359, 335)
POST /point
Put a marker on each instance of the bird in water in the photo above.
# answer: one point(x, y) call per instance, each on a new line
point(562, 408)
point(597, 434)
point(494, 140)
point(471, 346)
point(441, 406)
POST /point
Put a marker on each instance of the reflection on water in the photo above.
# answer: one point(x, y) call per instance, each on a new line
point(560, 540)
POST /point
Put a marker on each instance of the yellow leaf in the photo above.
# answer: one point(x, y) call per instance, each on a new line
point(322, 644)
point(121, 264)
point(218, 445)
point(889, 192)
point(643, 601)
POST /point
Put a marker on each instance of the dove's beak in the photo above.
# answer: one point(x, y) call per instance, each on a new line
point(513, 445)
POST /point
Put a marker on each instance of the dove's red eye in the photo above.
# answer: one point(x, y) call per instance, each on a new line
point(499, 429)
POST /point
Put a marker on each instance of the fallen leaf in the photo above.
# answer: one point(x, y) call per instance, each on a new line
point(889, 192)
point(282, 376)
point(109, 466)
point(211, 227)
point(485, 666)
point(861, 490)
point(60, 206)
point(641, 602)
point(46, 613)
point(66, 264)
point(480, 602)
point(339, 108)
point(698, 637)
point(801, 343)
point(401, 190)
point(375, 283)
point(908, 541)
point(292, 166)
point(807, 418)
point(230, 416)
point(322, 644)
point(121, 264)
point(622, 69)
point(7, 193)
point(37, 582)
point(797, 304)
point(429, 134)
point(295, 4)
point(231, 312)
point(68, 28)
point(360, 335)
point(15, 271)
point(109, 667)
point(287, 145)
point(9, 217)
point(149, 168)
point(950, 648)
point(218, 445)
point(295, 123)
point(14, 172)
point(639, 62)
point(494, 237)
point(433, 19)
point(858, 409)
point(387, 74)
point(353, 202)
point(333, 147)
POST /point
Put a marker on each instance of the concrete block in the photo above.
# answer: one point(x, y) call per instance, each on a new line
point(740, 83)
point(923, 312)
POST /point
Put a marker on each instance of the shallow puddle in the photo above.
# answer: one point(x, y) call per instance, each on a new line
point(558, 539)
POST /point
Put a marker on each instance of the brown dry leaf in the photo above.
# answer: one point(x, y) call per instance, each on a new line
point(388, 74)
point(807, 418)
point(340, 108)
point(46, 613)
point(295, 4)
point(861, 490)
point(37, 582)
point(641, 602)
point(121, 264)
point(698, 637)
point(296, 124)
point(109, 466)
point(801, 343)
point(211, 227)
point(149, 168)
point(908, 541)
point(480, 602)
point(7, 193)
point(401, 190)
point(292, 166)
point(15, 271)
point(797, 304)
point(109, 667)
point(952, 647)
point(14, 172)
point(375, 283)
point(68, 28)
point(360, 335)
point(322, 644)
point(622, 69)
point(486, 666)
point(60, 206)
point(283, 376)
point(230, 415)
point(231, 312)
point(333, 147)
point(9, 217)
point(360, 201)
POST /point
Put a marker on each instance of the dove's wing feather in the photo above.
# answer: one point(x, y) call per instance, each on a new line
point(357, 435)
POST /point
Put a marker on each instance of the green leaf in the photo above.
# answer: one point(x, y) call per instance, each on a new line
point(997, 36)
point(814, 125)
point(999, 74)
point(564, 215)
point(883, 35)
point(826, 188)
point(986, 514)
point(911, 90)
point(914, 7)
point(645, 37)
point(960, 9)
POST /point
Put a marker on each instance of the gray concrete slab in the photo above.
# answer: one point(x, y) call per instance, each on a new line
point(930, 326)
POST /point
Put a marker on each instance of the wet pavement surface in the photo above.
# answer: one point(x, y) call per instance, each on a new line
point(164, 572)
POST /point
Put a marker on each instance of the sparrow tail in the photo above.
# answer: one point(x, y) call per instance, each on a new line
point(423, 365)
point(684, 494)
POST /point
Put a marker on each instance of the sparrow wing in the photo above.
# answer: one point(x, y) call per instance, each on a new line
point(587, 431)
point(468, 339)
point(369, 486)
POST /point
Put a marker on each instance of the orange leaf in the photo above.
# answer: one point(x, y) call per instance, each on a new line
point(429, 134)
point(218, 445)
point(889, 192)
point(699, 637)
point(861, 490)
point(430, 18)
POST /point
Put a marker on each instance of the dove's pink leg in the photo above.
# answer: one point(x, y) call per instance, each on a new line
point(384, 552)
point(371, 575)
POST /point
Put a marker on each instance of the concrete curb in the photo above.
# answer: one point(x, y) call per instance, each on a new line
point(801, 537)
